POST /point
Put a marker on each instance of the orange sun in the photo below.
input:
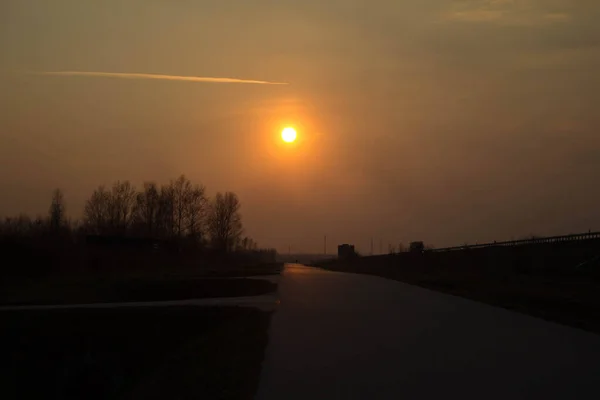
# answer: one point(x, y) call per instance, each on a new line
point(288, 135)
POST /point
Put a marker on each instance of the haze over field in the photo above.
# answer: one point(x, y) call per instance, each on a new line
point(442, 121)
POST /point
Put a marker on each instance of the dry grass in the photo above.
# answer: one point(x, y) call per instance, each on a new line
point(565, 297)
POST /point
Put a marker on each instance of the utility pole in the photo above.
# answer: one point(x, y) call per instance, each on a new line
point(371, 245)
point(325, 245)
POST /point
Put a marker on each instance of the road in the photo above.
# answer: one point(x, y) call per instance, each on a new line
point(347, 336)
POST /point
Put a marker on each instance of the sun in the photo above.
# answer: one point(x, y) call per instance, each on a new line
point(288, 135)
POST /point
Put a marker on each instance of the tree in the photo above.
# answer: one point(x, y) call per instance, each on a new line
point(188, 208)
point(96, 211)
point(57, 209)
point(195, 212)
point(225, 221)
point(146, 211)
point(181, 189)
point(110, 212)
point(182, 209)
point(121, 206)
point(17, 226)
point(247, 244)
point(164, 218)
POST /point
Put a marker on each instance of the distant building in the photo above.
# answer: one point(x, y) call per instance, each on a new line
point(416, 247)
point(346, 251)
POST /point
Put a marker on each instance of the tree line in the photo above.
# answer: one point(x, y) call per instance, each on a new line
point(178, 211)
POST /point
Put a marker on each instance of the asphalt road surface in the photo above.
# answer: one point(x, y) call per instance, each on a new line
point(347, 336)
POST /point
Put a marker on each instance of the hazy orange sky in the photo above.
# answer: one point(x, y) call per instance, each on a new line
point(435, 120)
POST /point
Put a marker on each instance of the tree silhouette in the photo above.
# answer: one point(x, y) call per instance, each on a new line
point(195, 212)
point(164, 218)
point(178, 212)
point(225, 221)
point(148, 223)
point(110, 212)
point(57, 211)
point(181, 189)
point(96, 211)
point(146, 211)
point(247, 244)
point(121, 206)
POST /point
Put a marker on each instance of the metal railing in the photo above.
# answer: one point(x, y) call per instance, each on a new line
point(538, 240)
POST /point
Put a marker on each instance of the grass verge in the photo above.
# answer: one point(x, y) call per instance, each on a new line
point(564, 298)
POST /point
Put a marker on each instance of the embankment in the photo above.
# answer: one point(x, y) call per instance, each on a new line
point(538, 279)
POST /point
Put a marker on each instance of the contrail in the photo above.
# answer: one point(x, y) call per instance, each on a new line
point(127, 75)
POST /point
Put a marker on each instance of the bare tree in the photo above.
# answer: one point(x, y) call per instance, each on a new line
point(96, 211)
point(247, 244)
point(225, 221)
point(182, 189)
point(121, 206)
point(195, 212)
point(147, 204)
point(17, 226)
point(164, 218)
point(56, 213)
point(182, 209)
point(38, 225)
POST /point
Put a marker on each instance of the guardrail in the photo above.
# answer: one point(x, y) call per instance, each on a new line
point(551, 239)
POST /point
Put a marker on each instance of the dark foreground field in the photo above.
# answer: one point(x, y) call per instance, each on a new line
point(161, 353)
point(102, 291)
point(555, 290)
point(140, 286)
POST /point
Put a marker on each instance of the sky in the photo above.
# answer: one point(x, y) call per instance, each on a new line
point(447, 121)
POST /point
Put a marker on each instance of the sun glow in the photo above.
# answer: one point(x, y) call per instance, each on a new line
point(288, 135)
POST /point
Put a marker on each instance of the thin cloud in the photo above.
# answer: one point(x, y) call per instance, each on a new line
point(476, 15)
point(507, 12)
point(507, 18)
point(127, 75)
